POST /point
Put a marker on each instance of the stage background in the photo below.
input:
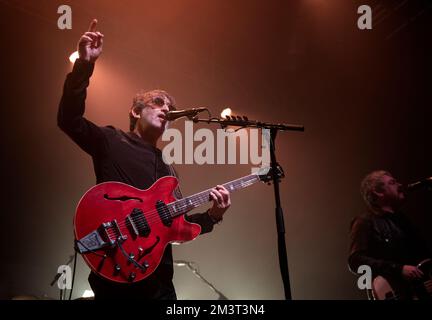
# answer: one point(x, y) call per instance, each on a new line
point(363, 96)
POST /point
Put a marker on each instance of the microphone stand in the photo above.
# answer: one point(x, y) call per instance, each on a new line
point(195, 272)
point(280, 226)
point(58, 275)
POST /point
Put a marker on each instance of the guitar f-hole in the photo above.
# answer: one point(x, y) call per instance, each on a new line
point(122, 198)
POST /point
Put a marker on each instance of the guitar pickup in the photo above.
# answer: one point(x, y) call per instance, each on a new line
point(164, 213)
point(137, 222)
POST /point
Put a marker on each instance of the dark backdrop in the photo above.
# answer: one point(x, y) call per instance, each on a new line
point(363, 96)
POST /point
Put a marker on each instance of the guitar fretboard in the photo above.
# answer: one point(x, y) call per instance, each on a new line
point(184, 205)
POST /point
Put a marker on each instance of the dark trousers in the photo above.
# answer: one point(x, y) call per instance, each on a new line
point(154, 287)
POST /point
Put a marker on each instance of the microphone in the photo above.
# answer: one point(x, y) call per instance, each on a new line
point(174, 115)
point(419, 184)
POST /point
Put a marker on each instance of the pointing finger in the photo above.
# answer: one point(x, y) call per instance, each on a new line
point(93, 24)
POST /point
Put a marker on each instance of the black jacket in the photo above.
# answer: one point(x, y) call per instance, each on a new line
point(385, 242)
point(117, 156)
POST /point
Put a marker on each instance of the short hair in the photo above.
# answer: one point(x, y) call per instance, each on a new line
point(142, 99)
point(370, 183)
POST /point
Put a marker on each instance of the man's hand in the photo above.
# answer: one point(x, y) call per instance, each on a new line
point(90, 43)
point(428, 286)
point(221, 202)
point(411, 272)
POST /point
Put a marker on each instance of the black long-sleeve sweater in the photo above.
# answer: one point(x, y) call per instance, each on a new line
point(385, 242)
point(117, 155)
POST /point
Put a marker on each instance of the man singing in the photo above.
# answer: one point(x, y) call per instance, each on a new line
point(129, 157)
point(383, 238)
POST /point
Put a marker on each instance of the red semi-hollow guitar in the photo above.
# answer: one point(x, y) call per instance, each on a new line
point(122, 231)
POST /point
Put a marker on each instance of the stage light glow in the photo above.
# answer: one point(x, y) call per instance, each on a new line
point(226, 112)
point(88, 294)
point(73, 57)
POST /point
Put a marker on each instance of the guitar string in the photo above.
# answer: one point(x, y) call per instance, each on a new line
point(201, 197)
point(112, 233)
point(153, 216)
point(194, 200)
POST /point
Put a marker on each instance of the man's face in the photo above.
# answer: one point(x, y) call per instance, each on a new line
point(153, 115)
point(391, 192)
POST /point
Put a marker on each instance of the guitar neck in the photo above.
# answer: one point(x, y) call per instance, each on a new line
point(184, 205)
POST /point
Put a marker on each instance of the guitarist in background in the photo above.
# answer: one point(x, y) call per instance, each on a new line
point(383, 238)
point(129, 157)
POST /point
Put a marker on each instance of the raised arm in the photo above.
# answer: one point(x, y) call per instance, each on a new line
point(70, 117)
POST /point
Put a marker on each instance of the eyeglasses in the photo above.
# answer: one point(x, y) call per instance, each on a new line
point(160, 102)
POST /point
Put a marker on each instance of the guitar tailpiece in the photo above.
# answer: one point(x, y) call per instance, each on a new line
point(79, 243)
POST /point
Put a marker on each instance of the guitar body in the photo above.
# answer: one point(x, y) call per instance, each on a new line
point(122, 234)
point(122, 231)
point(390, 289)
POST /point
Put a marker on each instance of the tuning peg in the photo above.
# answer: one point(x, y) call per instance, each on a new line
point(245, 118)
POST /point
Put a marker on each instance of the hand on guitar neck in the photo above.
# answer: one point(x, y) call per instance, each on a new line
point(414, 273)
point(221, 202)
point(428, 287)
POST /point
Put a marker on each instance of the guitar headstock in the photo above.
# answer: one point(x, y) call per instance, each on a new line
point(265, 174)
